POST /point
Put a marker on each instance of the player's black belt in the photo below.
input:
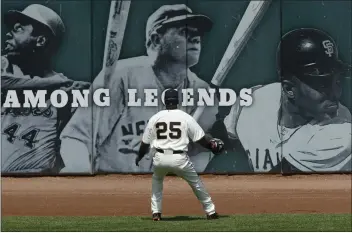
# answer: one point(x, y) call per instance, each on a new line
point(174, 151)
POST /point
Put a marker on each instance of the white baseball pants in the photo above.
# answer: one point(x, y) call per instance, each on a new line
point(180, 165)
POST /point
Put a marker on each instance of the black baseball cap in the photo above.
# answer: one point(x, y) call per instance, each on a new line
point(168, 15)
point(171, 97)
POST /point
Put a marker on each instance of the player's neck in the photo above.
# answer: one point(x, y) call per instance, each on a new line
point(291, 116)
point(172, 107)
point(170, 74)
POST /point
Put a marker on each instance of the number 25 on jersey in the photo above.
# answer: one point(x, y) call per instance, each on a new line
point(172, 130)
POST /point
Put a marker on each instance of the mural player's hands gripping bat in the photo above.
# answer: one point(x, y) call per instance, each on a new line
point(115, 31)
point(249, 21)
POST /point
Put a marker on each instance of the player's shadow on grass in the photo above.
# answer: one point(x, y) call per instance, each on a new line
point(181, 218)
point(186, 218)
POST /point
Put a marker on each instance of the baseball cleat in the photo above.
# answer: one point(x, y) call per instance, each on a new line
point(212, 216)
point(156, 216)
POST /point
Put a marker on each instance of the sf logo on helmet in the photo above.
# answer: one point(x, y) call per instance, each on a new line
point(329, 47)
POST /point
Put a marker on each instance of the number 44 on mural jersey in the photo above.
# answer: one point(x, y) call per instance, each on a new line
point(27, 136)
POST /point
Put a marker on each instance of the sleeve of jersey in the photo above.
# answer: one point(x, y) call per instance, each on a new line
point(329, 150)
point(85, 119)
point(195, 132)
point(12, 82)
point(148, 134)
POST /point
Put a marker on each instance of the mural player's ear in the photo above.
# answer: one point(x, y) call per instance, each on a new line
point(288, 88)
point(41, 41)
point(155, 39)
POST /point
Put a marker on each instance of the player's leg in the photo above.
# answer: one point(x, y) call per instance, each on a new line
point(157, 191)
point(189, 174)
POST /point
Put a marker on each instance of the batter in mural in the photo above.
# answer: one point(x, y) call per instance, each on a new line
point(29, 135)
point(173, 43)
point(298, 123)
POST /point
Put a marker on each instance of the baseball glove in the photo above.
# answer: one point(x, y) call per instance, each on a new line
point(217, 145)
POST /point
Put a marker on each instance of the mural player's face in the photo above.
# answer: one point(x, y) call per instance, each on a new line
point(19, 40)
point(319, 96)
point(182, 44)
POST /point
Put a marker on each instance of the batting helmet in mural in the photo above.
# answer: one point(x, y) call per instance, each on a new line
point(308, 52)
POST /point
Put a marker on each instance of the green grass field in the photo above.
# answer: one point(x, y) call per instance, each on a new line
point(259, 222)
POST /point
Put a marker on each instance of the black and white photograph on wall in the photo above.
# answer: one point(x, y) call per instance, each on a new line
point(173, 35)
point(30, 134)
point(295, 68)
point(297, 124)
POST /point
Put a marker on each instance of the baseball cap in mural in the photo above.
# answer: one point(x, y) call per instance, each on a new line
point(178, 13)
point(39, 14)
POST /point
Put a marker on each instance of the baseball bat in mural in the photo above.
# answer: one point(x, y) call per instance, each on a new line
point(117, 22)
point(249, 21)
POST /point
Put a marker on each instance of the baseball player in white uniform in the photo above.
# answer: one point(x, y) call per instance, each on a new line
point(30, 136)
point(298, 124)
point(173, 42)
point(168, 134)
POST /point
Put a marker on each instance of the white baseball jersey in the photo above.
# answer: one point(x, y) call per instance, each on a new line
point(171, 130)
point(29, 136)
point(312, 147)
point(121, 126)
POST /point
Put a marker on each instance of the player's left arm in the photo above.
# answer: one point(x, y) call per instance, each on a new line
point(216, 115)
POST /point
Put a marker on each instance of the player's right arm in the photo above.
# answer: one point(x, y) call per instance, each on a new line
point(14, 82)
point(194, 131)
point(77, 136)
point(197, 134)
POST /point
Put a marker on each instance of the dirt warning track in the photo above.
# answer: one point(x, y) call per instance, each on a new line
point(130, 195)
